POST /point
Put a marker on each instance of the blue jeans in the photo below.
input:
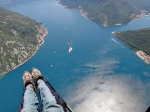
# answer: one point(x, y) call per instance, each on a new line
point(30, 103)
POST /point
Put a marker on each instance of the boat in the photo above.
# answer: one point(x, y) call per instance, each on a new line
point(69, 42)
point(70, 49)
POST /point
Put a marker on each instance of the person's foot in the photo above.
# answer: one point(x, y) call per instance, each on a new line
point(27, 78)
point(36, 74)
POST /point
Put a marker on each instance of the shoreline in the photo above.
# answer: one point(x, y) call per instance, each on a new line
point(143, 56)
point(85, 14)
point(139, 53)
point(42, 32)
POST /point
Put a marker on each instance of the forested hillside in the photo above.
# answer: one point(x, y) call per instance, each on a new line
point(143, 4)
point(109, 12)
point(20, 37)
point(136, 39)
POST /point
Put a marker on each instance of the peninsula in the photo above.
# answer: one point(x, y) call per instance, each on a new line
point(110, 12)
point(138, 41)
point(20, 38)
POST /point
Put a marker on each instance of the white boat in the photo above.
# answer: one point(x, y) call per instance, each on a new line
point(70, 49)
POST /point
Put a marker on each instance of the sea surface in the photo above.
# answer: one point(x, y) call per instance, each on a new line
point(100, 74)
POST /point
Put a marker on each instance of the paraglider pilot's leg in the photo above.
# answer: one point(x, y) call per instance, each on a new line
point(29, 102)
point(48, 100)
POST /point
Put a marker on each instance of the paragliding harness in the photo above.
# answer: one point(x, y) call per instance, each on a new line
point(58, 98)
point(148, 110)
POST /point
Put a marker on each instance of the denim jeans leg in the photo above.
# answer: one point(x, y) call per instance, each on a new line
point(48, 100)
point(30, 103)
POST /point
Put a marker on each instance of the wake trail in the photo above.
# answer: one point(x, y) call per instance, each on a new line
point(116, 42)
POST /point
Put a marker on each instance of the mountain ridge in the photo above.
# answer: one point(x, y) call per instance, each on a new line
point(107, 12)
point(138, 41)
point(20, 38)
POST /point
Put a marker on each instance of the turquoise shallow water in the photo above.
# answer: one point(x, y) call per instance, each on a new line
point(100, 74)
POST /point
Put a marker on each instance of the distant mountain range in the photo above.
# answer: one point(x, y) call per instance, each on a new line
point(109, 12)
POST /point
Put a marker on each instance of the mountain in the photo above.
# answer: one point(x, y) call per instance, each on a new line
point(143, 4)
point(108, 12)
point(20, 38)
point(138, 41)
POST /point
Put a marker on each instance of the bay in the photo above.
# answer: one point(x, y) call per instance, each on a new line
point(100, 74)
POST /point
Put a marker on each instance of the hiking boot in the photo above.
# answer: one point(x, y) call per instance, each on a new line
point(36, 74)
point(27, 79)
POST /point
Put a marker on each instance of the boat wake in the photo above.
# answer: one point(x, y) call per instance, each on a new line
point(116, 42)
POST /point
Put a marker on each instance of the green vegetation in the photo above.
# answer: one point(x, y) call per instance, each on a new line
point(136, 39)
point(18, 39)
point(143, 4)
point(109, 12)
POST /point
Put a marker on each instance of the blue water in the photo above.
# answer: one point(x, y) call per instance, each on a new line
point(100, 74)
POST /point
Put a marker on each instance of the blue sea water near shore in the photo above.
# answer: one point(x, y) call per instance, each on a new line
point(100, 73)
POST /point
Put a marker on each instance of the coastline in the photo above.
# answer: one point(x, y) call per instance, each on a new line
point(105, 24)
point(83, 13)
point(42, 32)
point(139, 53)
point(143, 56)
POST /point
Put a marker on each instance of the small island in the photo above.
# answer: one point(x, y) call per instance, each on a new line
point(138, 41)
point(20, 38)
